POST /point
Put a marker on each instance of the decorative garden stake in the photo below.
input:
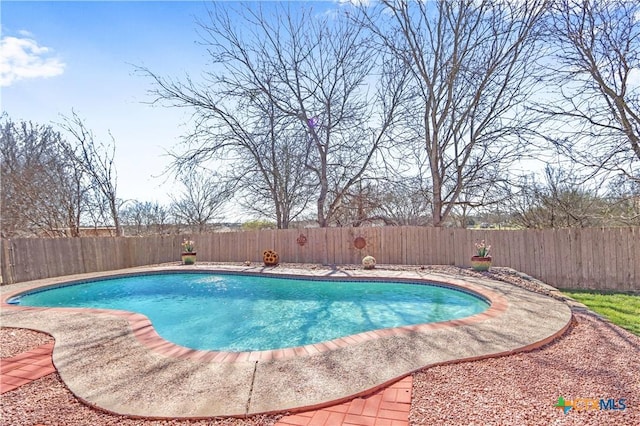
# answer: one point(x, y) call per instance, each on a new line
point(301, 240)
point(359, 243)
point(482, 260)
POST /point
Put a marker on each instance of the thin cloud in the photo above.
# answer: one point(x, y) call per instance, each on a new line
point(24, 58)
point(356, 2)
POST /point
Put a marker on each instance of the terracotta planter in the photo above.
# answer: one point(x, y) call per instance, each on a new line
point(189, 258)
point(479, 263)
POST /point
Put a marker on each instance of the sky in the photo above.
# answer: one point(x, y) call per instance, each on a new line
point(60, 57)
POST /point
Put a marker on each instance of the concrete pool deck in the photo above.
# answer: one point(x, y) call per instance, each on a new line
point(116, 362)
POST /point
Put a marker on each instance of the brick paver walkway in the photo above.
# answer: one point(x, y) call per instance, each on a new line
point(26, 367)
point(387, 407)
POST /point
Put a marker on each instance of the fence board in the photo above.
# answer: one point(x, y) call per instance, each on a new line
point(312, 250)
point(500, 247)
point(607, 259)
point(302, 247)
point(554, 268)
point(558, 237)
point(444, 237)
point(249, 251)
point(539, 252)
point(414, 246)
point(352, 253)
point(385, 247)
point(428, 256)
point(334, 246)
point(462, 246)
point(405, 256)
point(575, 259)
point(567, 262)
point(589, 246)
point(31, 265)
point(6, 265)
point(506, 251)
point(373, 239)
point(610, 250)
point(632, 253)
point(396, 237)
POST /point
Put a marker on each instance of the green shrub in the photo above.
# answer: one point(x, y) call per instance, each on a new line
point(256, 225)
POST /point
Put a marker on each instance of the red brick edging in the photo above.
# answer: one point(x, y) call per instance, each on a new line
point(26, 367)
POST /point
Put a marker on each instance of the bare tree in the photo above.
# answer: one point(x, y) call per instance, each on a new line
point(624, 201)
point(145, 218)
point(405, 202)
point(266, 155)
point(561, 201)
point(358, 206)
point(202, 199)
point(275, 180)
point(472, 67)
point(133, 216)
point(159, 218)
point(96, 159)
point(43, 192)
point(595, 118)
point(312, 71)
point(402, 202)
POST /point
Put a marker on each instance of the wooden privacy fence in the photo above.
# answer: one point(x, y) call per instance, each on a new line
point(602, 258)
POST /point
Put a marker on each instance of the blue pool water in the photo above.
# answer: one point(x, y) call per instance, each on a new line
point(246, 312)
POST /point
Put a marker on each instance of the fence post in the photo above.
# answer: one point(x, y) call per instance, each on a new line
point(6, 263)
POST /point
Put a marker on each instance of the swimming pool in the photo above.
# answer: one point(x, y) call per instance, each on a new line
point(236, 312)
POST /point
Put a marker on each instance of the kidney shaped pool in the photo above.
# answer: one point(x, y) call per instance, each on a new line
point(233, 312)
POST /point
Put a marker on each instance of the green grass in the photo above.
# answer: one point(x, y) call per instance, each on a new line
point(620, 308)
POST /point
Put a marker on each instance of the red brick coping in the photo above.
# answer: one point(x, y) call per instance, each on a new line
point(147, 335)
point(26, 367)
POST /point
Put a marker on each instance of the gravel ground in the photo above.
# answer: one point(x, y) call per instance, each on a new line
point(594, 359)
point(14, 341)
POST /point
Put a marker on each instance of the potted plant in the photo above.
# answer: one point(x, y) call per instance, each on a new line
point(482, 260)
point(188, 252)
